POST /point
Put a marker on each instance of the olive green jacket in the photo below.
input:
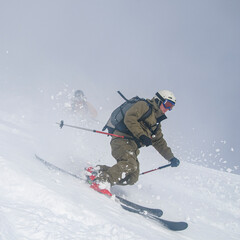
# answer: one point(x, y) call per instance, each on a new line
point(149, 126)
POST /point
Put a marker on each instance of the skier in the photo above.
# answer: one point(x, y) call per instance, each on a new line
point(81, 106)
point(140, 133)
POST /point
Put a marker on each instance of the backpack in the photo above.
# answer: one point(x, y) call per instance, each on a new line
point(116, 120)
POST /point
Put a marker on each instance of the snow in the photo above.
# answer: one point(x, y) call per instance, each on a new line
point(37, 203)
point(49, 49)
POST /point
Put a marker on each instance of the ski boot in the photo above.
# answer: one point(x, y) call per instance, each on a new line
point(92, 173)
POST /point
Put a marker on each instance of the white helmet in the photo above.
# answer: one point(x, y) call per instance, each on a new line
point(165, 94)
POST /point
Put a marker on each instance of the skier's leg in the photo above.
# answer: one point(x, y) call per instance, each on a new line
point(126, 171)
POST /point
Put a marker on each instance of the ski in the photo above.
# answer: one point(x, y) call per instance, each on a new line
point(122, 201)
point(149, 213)
point(174, 226)
point(141, 210)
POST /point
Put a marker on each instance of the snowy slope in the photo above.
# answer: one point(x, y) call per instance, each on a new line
point(37, 203)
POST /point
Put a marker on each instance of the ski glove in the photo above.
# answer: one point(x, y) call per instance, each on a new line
point(174, 162)
point(145, 140)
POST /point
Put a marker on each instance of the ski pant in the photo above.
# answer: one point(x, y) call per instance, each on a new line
point(126, 170)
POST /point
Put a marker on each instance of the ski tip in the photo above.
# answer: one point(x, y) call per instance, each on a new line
point(175, 226)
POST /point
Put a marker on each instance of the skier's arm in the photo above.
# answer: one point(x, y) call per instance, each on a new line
point(160, 145)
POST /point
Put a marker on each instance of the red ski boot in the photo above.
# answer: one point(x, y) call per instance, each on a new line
point(91, 173)
point(99, 187)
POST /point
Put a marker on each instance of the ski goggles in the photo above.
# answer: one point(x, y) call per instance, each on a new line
point(168, 104)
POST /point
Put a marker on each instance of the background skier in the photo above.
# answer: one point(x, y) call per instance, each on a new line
point(81, 106)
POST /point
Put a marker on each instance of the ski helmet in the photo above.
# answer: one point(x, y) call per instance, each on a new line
point(163, 95)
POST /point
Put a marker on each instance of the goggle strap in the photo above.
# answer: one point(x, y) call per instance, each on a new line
point(160, 97)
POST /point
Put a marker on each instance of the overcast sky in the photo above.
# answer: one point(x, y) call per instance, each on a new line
point(137, 46)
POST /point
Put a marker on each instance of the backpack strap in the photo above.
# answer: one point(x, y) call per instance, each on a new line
point(163, 117)
point(148, 113)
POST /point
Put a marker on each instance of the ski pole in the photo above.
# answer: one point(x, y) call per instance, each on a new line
point(168, 165)
point(61, 124)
